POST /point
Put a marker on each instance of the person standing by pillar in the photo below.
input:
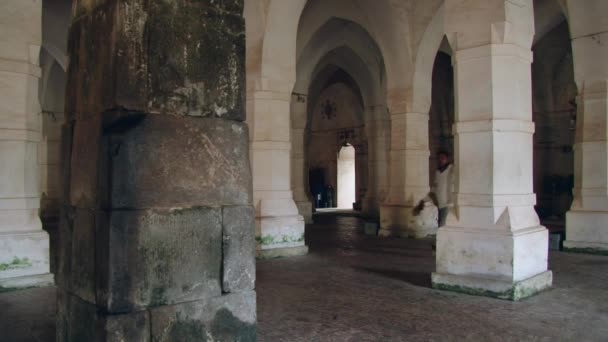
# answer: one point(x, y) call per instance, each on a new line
point(443, 185)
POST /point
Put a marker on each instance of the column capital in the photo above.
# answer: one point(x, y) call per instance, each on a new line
point(410, 116)
point(20, 67)
point(495, 125)
point(273, 95)
point(493, 50)
point(10, 134)
point(586, 18)
point(270, 145)
point(481, 22)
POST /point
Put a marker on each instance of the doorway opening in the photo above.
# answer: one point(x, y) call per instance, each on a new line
point(316, 180)
point(554, 94)
point(346, 177)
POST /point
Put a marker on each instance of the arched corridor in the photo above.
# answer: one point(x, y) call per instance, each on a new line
point(555, 114)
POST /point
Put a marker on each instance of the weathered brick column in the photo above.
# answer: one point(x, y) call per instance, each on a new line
point(157, 232)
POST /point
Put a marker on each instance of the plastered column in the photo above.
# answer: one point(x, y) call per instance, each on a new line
point(377, 129)
point(299, 172)
point(279, 225)
point(24, 246)
point(493, 243)
point(587, 220)
point(361, 173)
point(409, 176)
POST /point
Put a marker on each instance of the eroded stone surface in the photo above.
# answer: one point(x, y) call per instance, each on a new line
point(64, 257)
point(78, 320)
point(128, 327)
point(200, 73)
point(167, 161)
point(84, 157)
point(82, 259)
point(229, 317)
point(157, 257)
point(238, 272)
point(159, 148)
point(175, 57)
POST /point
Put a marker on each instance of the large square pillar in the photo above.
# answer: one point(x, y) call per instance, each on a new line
point(279, 225)
point(587, 220)
point(377, 130)
point(24, 246)
point(493, 243)
point(157, 235)
point(299, 169)
point(409, 177)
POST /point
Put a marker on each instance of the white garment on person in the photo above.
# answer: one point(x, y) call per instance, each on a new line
point(443, 187)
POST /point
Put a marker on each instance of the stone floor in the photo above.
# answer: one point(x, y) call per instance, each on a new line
point(357, 288)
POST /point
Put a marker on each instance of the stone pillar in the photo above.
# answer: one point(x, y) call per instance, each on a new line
point(299, 170)
point(24, 246)
point(493, 243)
point(279, 225)
point(53, 86)
point(377, 129)
point(157, 227)
point(361, 173)
point(587, 220)
point(409, 175)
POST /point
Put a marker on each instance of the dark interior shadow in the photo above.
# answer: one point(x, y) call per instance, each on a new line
point(421, 279)
point(395, 251)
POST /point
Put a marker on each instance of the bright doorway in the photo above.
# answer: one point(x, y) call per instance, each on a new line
point(346, 177)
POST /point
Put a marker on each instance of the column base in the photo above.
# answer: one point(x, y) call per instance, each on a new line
point(495, 288)
point(26, 282)
point(284, 252)
point(492, 261)
point(587, 232)
point(370, 207)
point(398, 220)
point(305, 210)
point(24, 259)
point(281, 236)
point(388, 232)
point(394, 220)
point(586, 247)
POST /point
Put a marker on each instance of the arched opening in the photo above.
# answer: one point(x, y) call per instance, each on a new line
point(336, 120)
point(52, 93)
point(346, 177)
point(339, 97)
point(52, 98)
point(441, 120)
point(441, 138)
point(554, 95)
